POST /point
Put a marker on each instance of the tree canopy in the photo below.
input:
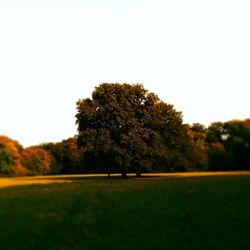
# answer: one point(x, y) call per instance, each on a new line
point(67, 157)
point(229, 145)
point(36, 160)
point(10, 151)
point(127, 127)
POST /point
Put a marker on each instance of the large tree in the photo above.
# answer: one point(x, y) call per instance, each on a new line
point(126, 127)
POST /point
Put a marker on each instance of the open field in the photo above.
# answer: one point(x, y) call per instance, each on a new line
point(52, 179)
point(159, 211)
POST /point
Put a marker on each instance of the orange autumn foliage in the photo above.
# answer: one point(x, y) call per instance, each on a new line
point(10, 157)
point(38, 161)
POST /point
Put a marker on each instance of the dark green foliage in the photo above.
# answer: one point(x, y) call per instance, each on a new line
point(6, 160)
point(57, 156)
point(216, 132)
point(229, 145)
point(67, 158)
point(198, 147)
point(127, 127)
point(237, 144)
point(160, 142)
point(153, 213)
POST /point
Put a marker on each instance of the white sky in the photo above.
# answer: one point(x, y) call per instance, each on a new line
point(193, 54)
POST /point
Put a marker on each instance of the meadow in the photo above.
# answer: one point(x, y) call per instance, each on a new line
point(167, 211)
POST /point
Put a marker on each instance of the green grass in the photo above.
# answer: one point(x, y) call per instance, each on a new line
point(152, 213)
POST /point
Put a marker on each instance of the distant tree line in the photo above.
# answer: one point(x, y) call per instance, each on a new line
point(124, 128)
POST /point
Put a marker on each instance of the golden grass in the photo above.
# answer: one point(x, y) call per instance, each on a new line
point(18, 181)
point(197, 174)
point(49, 179)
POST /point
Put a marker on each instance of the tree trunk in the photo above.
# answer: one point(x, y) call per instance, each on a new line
point(138, 174)
point(124, 173)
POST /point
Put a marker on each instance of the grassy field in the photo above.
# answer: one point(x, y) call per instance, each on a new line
point(200, 211)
